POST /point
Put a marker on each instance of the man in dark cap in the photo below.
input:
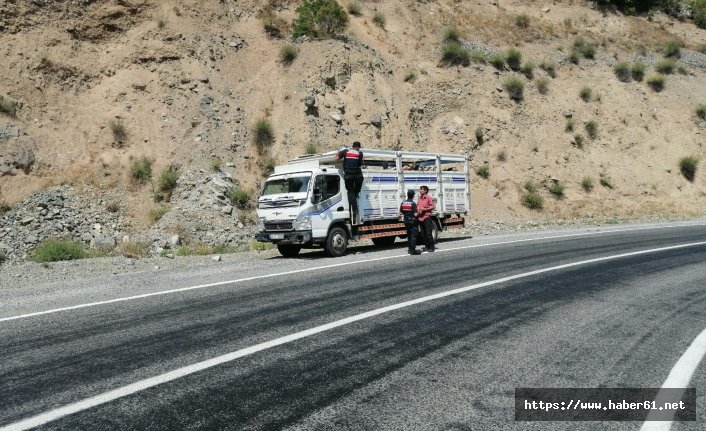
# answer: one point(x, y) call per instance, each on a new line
point(353, 175)
point(408, 210)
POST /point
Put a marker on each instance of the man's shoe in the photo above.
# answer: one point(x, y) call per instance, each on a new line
point(414, 252)
point(431, 250)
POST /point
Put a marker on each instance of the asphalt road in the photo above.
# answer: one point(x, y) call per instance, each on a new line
point(450, 363)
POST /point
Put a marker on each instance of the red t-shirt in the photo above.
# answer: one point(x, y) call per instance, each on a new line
point(425, 202)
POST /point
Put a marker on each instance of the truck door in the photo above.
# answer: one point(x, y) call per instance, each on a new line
point(329, 206)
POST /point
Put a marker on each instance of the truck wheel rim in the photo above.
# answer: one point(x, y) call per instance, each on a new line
point(339, 242)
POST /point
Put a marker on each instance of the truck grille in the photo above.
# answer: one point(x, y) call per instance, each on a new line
point(279, 225)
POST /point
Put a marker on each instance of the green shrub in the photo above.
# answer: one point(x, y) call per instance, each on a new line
point(216, 164)
point(263, 135)
point(483, 171)
point(578, 140)
point(513, 57)
point(701, 111)
point(479, 135)
point(688, 166)
point(267, 165)
point(543, 85)
point(665, 66)
point(135, 249)
point(118, 129)
point(320, 19)
point(4, 208)
point(502, 156)
point(3, 255)
point(498, 61)
point(522, 21)
point(156, 214)
point(479, 57)
point(141, 170)
point(8, 106)
point(379, 19)
point(622, 71)
point(166, 184)
point(574, 57)
point(311, 148)
point(288, 53)
point(606, 181)
point(527, 69)
point(656, 82)
point(451, 34)
point(514, 87)
point(637, 70)
point(570, 124)
point(557, 188)
point(410, 76)
point(585, 93)
point(672, 48)
point(699, 14)
point(240, 198)
point(354, 8)
point(532, 201)
point(454, 54)
point(531, 186)
point(550, 68)
point(587, 183)
point(274, 25)
point(53, 250)
point(591, 129)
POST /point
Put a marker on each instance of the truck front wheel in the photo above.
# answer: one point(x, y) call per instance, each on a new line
point(289, 250)
point(336, 242)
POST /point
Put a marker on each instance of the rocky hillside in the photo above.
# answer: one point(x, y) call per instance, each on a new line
point(90, 86)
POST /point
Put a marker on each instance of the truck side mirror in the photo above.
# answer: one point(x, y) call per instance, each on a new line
point(316, 197)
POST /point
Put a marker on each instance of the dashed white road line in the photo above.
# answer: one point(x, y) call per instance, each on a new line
point(679, 377)
point(141, 385)
point(335, 265)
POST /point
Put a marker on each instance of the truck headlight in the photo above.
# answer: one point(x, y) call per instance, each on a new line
point(302, 223)
point(261, 224)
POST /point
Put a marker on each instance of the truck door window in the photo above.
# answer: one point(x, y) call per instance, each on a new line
point(332, 187)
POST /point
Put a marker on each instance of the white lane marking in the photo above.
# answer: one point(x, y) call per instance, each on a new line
point(141, 385)
point(278, 274)
point(679, 377)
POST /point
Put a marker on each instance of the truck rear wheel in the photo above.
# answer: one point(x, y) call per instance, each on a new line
point(434, 231)
point(289, 250)
point(336, 242)
point(385, 241)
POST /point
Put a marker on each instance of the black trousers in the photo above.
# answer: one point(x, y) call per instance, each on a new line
point(353, 186)
point(412, 232)
point(425, 228)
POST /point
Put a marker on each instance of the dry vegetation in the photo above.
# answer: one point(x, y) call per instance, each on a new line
point(174, 81)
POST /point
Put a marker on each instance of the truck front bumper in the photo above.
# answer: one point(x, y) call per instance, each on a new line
point(293, 237)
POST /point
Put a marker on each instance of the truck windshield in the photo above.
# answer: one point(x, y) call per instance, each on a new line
point(286, 185)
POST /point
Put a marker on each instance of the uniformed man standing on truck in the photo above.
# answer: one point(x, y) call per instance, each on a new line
point(353, 176)
point(408, 209)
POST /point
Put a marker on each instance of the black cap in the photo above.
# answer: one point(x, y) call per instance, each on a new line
point(356, 144)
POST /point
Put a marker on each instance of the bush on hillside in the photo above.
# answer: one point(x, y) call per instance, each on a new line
point(688, 166)
point(8, 106)
point(379, 19)
point(591, 129)
point(637, 70)
point(514, 87)
point(354, 8)
point(585, 94)
point(240, 198)
point(701, 111)
point(454, 54)
point(288, 53)
point(622, 72)
point(587, 184)
point(166, 184)
point(532, 201)
point(53, 250)
point(141, 170)
point(666, 66)
point(513, 57)
point(451, 34)
point(263, 135)
point(320, 19)
point(656, 82)
point(483, 171)
point(543, 85)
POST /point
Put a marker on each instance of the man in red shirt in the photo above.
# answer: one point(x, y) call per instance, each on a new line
point(425, 205)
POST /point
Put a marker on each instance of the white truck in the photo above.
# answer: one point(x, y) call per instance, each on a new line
point(304, 204)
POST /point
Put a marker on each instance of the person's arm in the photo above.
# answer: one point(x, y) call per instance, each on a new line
point(341, 154)
point(414, 209)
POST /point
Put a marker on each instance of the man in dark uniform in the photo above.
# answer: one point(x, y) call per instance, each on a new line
point(408, 209)
point(353, 175)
